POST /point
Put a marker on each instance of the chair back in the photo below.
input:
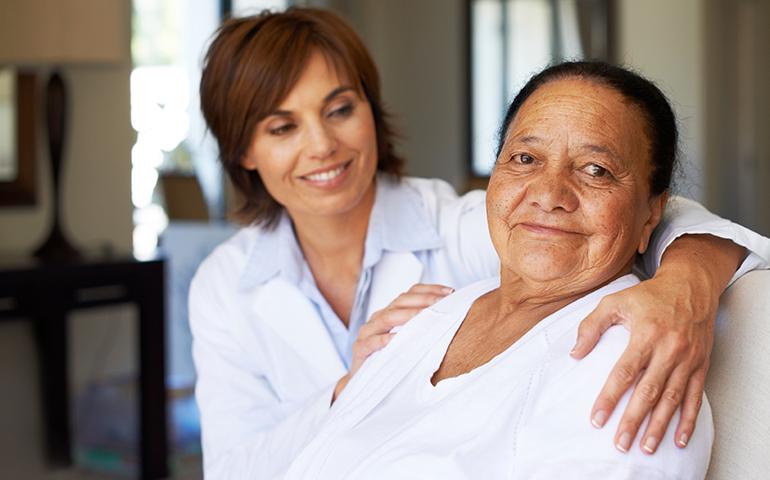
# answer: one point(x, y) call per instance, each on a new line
point(738, 384)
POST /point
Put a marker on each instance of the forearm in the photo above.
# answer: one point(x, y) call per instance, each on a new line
point(705, 262)
point(684, 218)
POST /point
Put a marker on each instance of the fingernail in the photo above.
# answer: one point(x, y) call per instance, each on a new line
point(574, 349)
point(625, 442)
point(650, 444)
point(448, 290)
point(683, 438)
point(599, 418)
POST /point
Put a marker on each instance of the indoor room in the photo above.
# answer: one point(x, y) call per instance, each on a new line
point(113, 193)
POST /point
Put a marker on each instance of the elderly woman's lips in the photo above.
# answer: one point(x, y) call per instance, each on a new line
point(545, 229)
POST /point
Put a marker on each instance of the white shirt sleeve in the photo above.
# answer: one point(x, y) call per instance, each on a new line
point(684, 216)
point(463, 227)
point(248, 432)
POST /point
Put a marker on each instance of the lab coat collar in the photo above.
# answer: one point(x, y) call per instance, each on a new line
point(399, 222)
point(398, 228)
point(273, 252)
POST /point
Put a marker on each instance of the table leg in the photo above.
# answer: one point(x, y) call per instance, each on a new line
point(153, 425)
point(50, 327)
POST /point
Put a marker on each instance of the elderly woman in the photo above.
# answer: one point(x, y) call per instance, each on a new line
point(482, 385)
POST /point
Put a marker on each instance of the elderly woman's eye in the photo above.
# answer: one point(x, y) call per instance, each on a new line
point(596, 170)
point(524, 159)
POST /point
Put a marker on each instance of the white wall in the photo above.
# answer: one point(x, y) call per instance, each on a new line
point(663, 40)
point(738, 110)
point(96, 185)
point(711, 58)
point(418, 47)
point(96, 196)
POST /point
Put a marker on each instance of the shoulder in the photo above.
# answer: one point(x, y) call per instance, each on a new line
point(432, 322)
point(461, 299)
point(223, 269)
point(458, 219)
point(440, 198)
point(460, 222)
point(384, 368)
point(559, 429)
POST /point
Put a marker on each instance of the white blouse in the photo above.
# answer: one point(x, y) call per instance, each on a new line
point(522, 415)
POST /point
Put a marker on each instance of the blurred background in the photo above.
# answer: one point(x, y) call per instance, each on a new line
point(141, 175)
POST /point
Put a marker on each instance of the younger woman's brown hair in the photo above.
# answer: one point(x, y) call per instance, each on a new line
point(251, 66)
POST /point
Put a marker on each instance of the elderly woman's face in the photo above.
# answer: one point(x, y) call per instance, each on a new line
point(569, 200)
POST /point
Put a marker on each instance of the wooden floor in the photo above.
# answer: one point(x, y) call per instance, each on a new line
point(191, 470)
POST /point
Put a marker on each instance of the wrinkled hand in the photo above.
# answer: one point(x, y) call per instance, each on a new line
point(376, 333)
point(671, 324)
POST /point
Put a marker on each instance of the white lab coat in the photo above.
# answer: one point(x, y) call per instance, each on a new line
point(267, 367)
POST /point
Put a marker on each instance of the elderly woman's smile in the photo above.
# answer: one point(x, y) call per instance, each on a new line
point(569, 200)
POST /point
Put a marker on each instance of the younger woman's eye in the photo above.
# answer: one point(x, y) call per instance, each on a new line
point(282, 129)
point(343, 111)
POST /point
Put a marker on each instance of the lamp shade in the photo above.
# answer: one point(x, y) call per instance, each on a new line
point(35, 32)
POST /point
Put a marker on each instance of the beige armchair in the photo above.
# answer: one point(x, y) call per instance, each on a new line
point(738, 385)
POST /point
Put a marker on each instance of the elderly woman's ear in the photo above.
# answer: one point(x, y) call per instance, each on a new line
point(657, 206)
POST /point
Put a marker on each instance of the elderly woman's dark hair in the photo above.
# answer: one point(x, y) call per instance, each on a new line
point(661, 122)
point(252, 65)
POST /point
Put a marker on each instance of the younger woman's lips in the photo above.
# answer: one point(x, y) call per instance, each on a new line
point(329, 179)
point(327, 169)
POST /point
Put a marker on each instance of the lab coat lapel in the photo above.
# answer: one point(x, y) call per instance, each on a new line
point(294, 318)
point(394, 274)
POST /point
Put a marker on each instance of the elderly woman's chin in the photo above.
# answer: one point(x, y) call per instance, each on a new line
point(565, 263)
point(544, 265)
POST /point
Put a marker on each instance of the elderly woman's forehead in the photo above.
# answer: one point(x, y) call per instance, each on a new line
point(575, 92)
point(568, 99)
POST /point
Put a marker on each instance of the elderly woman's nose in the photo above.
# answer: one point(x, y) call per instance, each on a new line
point(552, 191)
point(320, 141)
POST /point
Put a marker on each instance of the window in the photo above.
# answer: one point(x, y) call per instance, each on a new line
point(168, 43)
point(512, 39)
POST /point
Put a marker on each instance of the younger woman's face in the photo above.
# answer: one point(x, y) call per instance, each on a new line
point(317, 153)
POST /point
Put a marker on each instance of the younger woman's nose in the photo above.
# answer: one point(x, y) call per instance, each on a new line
point(320, 142)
